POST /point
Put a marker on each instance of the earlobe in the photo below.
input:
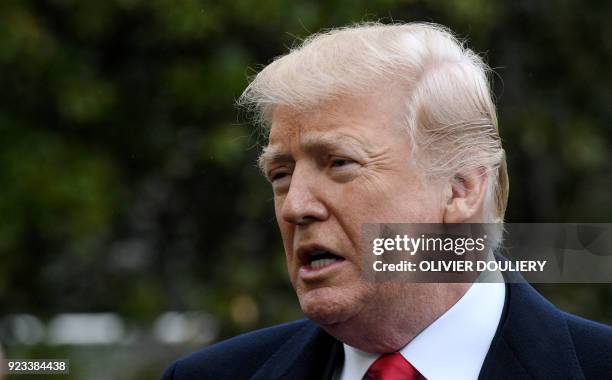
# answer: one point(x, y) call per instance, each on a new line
point(465, 197)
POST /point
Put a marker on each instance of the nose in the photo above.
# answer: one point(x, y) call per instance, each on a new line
point(303, 203)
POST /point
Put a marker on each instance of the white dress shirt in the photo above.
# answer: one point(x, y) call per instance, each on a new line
point(454, 346)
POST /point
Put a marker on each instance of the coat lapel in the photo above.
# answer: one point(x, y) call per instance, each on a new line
point(532, 340)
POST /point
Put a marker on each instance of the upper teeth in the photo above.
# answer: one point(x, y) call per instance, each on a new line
point(320, 263)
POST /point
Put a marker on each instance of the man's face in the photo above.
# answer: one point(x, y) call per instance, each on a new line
point(333, 169)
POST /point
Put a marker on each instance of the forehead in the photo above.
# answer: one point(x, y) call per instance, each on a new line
point(352, 116)
point(289, 123)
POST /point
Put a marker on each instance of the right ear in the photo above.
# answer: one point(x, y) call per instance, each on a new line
point(465, 198)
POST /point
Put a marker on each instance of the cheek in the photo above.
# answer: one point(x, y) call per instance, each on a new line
point(370, 198)
point(422, 206)
point(391, 199)
point(284, 227)
point(286, 231)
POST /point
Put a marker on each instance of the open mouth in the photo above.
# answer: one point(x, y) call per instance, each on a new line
point(321, 259)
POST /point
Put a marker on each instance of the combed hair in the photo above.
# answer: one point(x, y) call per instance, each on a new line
point(449, 112)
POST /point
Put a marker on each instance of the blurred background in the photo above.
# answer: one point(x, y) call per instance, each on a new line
point(134, 226)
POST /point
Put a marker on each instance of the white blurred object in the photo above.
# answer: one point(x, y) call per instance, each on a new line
point(23, 329)
point(175, 327)
point(94, 328)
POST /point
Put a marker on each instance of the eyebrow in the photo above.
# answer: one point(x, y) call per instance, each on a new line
point(311, 143)
point(272, 154)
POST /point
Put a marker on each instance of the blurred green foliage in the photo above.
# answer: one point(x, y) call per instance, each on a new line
point(128, 179)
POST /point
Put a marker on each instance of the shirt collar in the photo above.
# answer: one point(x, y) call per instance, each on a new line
point(454, 346)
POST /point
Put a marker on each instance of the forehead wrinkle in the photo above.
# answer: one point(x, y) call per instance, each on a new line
point(313, 142)
point(314, 135)
point(330, 141)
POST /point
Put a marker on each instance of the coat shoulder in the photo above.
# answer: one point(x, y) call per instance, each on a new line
point(593, 346)
point(235, 358)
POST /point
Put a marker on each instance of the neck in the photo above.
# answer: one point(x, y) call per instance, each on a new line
point(393, 320)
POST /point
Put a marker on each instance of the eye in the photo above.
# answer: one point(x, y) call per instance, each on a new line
point(341, 162)
point(277, 176)
point(342, 169)
point(338, 162)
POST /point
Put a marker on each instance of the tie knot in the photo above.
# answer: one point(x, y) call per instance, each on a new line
point(391, 367)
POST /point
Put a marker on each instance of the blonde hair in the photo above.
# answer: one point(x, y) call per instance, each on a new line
point(449, 113)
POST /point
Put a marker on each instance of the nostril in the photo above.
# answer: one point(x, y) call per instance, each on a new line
point(305, 221)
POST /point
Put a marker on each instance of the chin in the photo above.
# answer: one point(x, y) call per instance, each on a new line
point(328, 306)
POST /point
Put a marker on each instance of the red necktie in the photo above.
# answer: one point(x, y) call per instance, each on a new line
point(392, 367)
